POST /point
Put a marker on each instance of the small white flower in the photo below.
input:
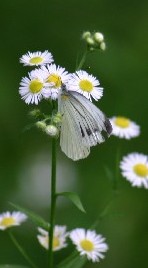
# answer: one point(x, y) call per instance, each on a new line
point(89, 243)
point(134, 167)
point(85, 84)
point(59, 237)
point(124, 127)
point(9, 219)
point(33, 89)
point(37, 58)
point(55, 76)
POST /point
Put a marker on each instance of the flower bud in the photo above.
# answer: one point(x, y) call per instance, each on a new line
point(98, 37)
point(85, 35)
point(90, 41)
point(35, 112)
point(52, 130)
point(41, 125)
point(103, 46)
point(57, 118)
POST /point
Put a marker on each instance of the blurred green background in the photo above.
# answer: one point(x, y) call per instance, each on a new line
point(30, 25)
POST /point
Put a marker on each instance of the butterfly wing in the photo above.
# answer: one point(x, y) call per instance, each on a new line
point(71, 137)
point(82, 125)
point(94, 125)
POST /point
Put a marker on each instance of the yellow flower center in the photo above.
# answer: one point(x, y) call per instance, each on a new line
point(35, 86)
point(141, 170)
point(86, 85)
point(87, 245)
point(122, 122)
point(8, 221)
point(56, 242)
point(36, 60)
point(55, 79)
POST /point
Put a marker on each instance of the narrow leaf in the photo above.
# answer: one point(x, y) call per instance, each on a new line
point(74, 198)
point(38, 220)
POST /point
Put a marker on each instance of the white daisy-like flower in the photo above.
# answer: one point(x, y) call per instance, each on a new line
point(10, 219)
point(33, 88)
point(85, 84)
point(124, 127)
point(134, 167)
point(55, 76)
point(59, 237)
point(37, 58)
point(89, 243)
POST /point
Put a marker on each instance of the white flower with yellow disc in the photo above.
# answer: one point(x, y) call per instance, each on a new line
point(124, 127)
point(134, 167)
point(33, 88)
point(10, 219)
point(59, 237)
point(85, 84)
point(89, 243)
point(55, 76)
point(37, 58)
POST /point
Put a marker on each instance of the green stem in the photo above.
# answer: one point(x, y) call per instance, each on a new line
point(82, 61)
point(115, 184)
point(21, 250)
point(53, 201)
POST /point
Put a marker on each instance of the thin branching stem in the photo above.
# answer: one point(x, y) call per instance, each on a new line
point(83, 59)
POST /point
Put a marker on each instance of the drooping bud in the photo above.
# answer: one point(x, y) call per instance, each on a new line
point(85, 35)
point(52, 130)
point(41, 125)
point(103, 46)
point(99, 37)
point(90, 41)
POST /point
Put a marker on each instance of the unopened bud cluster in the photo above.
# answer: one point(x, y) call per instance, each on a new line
point(49, 129)
point(50, 125)
point(94, 40)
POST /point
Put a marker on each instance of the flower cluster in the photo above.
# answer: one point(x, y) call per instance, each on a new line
point(87, 242)
point(45, 82)
point(80, 123)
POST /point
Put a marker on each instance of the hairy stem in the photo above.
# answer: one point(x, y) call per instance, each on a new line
point(53, 201)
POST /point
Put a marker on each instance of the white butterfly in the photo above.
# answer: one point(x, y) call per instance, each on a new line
point(82, 124)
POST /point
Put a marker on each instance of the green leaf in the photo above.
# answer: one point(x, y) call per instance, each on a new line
point(38, 220)
point(12, 266)
point(74, 198)
point(73, 261)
